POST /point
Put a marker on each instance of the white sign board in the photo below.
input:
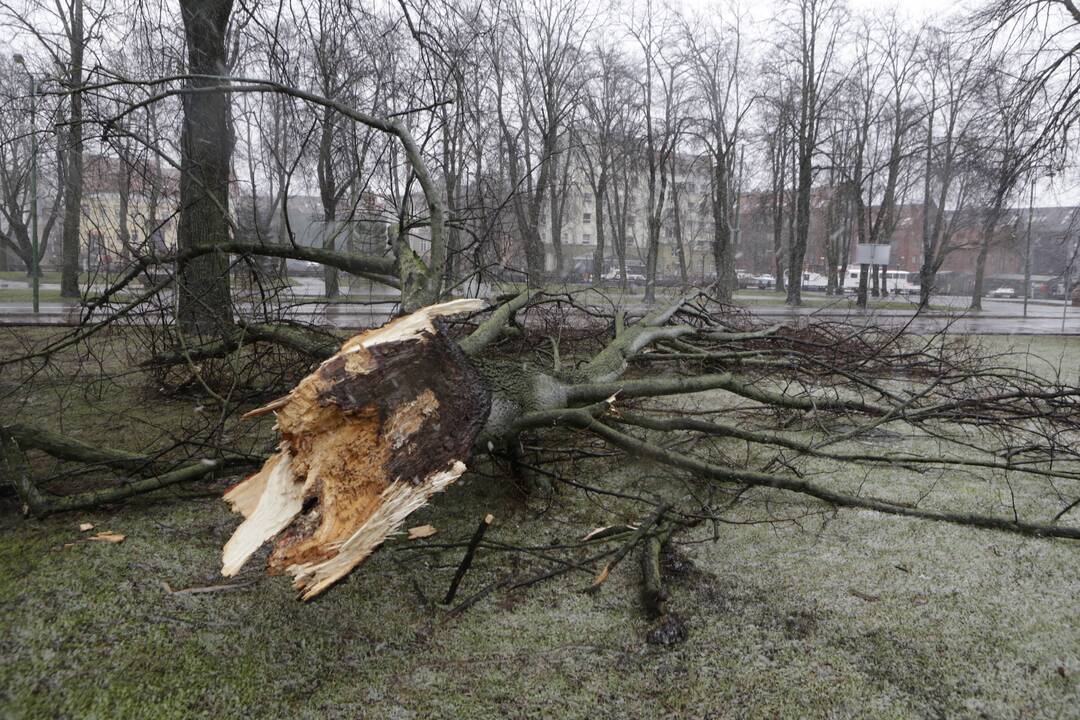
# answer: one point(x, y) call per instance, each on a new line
point(872, 254)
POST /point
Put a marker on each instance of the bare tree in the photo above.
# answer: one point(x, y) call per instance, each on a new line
point(813, 27)
point(1011, 142)
point(662, 113)
point(883, 117)
point(16, 163)
point(66, 50)
point(950, 78)
point(537, 85)
point(714, 54)
point(604, 128)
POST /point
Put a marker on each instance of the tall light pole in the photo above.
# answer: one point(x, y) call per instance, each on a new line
point(35, 269)
point(1027, 253)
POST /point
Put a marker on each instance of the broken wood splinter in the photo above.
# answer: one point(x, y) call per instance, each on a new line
point(366, 439)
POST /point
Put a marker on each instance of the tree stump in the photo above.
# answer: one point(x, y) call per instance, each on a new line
point(366, 439)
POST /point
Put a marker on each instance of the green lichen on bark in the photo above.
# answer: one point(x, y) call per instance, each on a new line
point(419, 286)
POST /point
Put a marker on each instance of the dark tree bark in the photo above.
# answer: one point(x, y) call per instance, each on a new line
point(988, 229)
point(723, 252)
point(205, 304)
point(797, 251)
point(677, 223)
point(70, 244)
point(328, 194)
point(599, 191)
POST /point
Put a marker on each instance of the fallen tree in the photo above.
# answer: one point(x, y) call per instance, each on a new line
point(395, 414)
point(543, 386)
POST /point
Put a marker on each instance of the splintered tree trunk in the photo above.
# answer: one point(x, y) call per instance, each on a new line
point(366, 439)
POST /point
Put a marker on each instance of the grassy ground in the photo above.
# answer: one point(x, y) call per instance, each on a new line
point(49, 276)
point(850, 614)
point(20, 295)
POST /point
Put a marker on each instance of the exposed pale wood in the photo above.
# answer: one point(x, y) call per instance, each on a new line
point(366, 439)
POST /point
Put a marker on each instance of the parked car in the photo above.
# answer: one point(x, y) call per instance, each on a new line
point(614, 276)
point(763, 282)
point(1002, 292)
point(814, 282)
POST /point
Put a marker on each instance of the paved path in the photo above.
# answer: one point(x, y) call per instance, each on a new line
point(998, 317)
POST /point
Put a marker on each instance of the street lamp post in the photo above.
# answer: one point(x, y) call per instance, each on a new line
point(35, 269)
point(1027, 252)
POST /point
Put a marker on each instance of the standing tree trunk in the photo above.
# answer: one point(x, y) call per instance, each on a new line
point(928, 272)
point(328, 194)
point(123, 211)
point(556, 218)
point(722, 248)
point(797, 253)
point(984, 251)
point(70, 244)
point(778, 223)
point(205, 305)
point(677, 218)
point(598, 214)
point(618, 211)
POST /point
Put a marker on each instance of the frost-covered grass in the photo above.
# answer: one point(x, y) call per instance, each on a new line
point(845, 614)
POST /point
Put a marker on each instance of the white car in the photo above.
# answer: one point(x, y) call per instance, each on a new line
point(763, 282)
point(613, 276)
point(1003, 292)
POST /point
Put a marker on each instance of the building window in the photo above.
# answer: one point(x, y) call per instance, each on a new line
point(587, 217)
point(586, 238)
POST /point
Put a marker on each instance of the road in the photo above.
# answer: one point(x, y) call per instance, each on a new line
point(998, 317)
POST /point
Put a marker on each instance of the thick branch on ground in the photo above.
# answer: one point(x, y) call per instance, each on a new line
point(611, 362)
point(65, 447)
point(641, 448)
point(653, 594)
point(493, 328)
point(592, 392)
point(773, 439)
point(305, 341)
point(35, 503)
point(379, 269)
